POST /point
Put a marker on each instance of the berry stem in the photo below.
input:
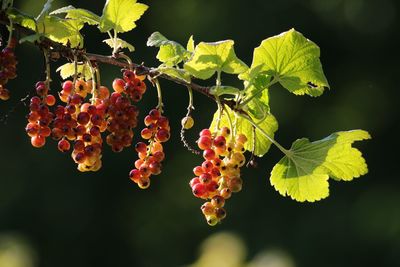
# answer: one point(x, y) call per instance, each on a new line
point(230, 122)
point(190, 108)
point(244, 102)
point(10, 29)
point(272, 140)
point(48, 70)
point(220, 110)
point(159, 96)
point(75, 71)
point(128, 59)
point(94, 86)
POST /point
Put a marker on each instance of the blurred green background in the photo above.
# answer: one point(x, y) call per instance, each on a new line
point(51, 215)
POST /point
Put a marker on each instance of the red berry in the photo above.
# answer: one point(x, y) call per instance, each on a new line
point(209, 154)
point(64, 145)
point(118, 85)
point(205, 132)
point(204, 142)
point(199, 190)
point(38, 141)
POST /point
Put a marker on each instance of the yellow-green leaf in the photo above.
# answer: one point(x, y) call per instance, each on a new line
point(268, 124)
point(68, 70)
point(121, 15)
point(304, 172)
point(294, 61)
point(81, 14)
point(65, 31)
point(209, 58)
point(119, 44)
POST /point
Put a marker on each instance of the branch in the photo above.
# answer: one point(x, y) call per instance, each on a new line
point(58, 50)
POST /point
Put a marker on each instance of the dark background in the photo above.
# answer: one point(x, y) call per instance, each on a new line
point(57, 216)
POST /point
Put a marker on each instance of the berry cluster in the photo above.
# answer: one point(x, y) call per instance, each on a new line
point(40, 116)
point(86, 114)
point(8, 63)
point(156, 132)
point(122, 113)
point(219, 175)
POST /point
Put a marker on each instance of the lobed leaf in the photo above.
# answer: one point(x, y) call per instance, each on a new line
point(121, 15)
point(209, 58)
point(80, 14)
point(294, 60)
point(65, 31)
point(68, 70)
point(170, 53)
point(304, 172)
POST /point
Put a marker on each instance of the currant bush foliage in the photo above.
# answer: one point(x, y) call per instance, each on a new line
point(242, 122)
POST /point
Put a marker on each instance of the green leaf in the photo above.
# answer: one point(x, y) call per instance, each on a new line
point(176, 73)
point(119, 43)
point(68, 70)
point(223, 90)
point(304, 172)
point(262, 144)
point(190, 44)
point(80, 14)
point(121, 15)
point(22, 19)
point(157, 39)
point(209, 58)
point(62, 30)
point(171, 53)
point(294, 60)
point(258, 107)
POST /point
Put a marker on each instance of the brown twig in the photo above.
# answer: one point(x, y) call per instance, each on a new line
point(58, 50)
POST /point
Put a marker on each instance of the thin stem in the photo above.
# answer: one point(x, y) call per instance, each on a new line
point(11, 28)
point(242, 104)
point(75, 71)
point(220, 108)
point(48, 70)
point(128, 59)
point(272, 140)
point(218, 82)
point(94, 86)
point(190, 108)
point(159, 96)
point(115, 50)
point(230, 122)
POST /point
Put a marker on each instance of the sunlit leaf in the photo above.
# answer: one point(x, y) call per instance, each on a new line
point(81, 14)
point(294, 61)
point(119, 44)
point(268, 124)
point(209, 58)
point(121, 15)
point(304, 172)
point(68, 70)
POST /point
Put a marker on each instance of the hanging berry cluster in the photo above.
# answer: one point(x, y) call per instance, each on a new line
point(219, 175)
point(157, 131)
point(8, 63)
point(88, 111)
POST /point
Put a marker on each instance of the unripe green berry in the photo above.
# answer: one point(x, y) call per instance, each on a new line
point(187, 122)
